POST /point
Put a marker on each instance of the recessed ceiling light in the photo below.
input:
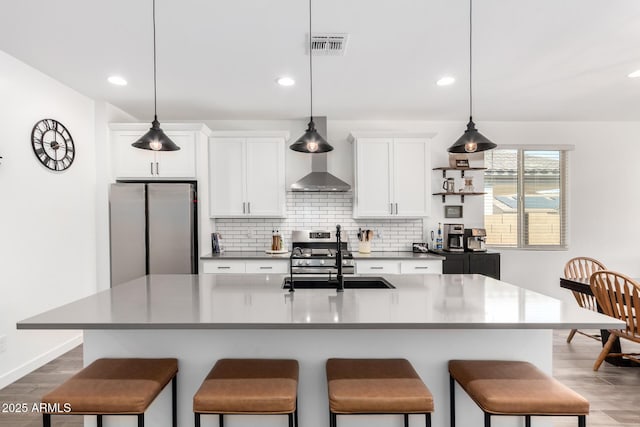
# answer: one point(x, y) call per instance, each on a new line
point(446, 81)
point(117, 80)
point(635, 74)
point(286, 81)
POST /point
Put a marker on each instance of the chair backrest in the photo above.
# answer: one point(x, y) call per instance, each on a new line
point(618, 296)
point(582, 267)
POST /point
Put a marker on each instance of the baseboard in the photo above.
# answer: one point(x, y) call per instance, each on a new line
point(33, 364)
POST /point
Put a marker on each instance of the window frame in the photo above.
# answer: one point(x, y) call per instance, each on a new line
point(563, 151)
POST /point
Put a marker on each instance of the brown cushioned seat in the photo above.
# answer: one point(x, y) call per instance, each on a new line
point(115, 386)
point(249, 386)
point(515, 388)
point(383, 386)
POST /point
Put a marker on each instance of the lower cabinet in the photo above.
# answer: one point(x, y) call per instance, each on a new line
point(486, 263)
point(398, 267)
point(237, 266)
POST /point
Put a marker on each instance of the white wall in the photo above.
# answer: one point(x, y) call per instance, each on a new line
point(47, 219)
point(603, 202)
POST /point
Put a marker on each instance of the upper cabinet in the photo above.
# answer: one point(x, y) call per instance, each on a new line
point(247, 174)
point(130, 162)
point(392, 175)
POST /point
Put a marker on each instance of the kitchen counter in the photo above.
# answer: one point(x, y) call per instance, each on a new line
point(427, 319)
point(390, 255)
point(429, 301)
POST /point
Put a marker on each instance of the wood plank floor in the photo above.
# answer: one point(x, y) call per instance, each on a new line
point(614, 392)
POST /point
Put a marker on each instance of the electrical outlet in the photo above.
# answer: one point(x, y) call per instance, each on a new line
point(3, 343)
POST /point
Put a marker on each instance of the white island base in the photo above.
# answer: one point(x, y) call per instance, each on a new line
point(427, 349)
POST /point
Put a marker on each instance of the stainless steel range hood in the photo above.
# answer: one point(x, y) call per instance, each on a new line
point(320, 179)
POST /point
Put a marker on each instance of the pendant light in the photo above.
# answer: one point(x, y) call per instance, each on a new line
point(155, 139)
point(311, 141)
point(471, 141)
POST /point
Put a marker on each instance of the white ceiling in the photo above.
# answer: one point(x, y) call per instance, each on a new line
point(535, 60)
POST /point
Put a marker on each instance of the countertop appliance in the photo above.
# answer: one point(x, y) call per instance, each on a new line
point(153, 229)
point(314, 252)
point(453, 237)
point(475, 239)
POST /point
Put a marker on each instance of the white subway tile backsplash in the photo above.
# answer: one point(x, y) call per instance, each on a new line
point(318, 211)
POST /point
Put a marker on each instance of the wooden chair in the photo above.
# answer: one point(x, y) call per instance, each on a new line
point(583, 268)
point(619, 297)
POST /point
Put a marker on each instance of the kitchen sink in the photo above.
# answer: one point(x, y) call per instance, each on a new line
point(349, 283)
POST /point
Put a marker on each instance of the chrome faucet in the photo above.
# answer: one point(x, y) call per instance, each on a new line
point(339, 276)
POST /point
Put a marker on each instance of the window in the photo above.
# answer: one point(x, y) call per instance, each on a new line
point(525, 204)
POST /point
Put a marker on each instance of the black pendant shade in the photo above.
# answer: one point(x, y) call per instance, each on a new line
point(311, 141)
point(156, 139)
point(471, 141)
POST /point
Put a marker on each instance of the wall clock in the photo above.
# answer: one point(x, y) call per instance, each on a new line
point(52, 144)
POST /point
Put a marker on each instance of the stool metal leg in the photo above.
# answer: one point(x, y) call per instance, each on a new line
point(487, 419)
point(221, 420)
point(197, 419)
point(295, 414)
point(140, 420)
point(291, 419)
point(452, 400)
point(174, 400)
point(99, 420)
point(334, 420)
point(428, 420)
point(46, 420)
point(406, 420)
point(527, 421)
point(582, 421)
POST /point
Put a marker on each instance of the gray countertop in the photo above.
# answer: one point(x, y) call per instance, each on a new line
point(257, 301)
point(390, 255)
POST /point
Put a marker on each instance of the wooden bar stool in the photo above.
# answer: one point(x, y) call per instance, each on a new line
point(514, 388)
point(376, 386)
point(115, 387)
point(249, 387)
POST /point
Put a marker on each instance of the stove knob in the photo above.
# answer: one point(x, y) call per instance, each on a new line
point(321, 262)
point(308, 262)
point(344, 262)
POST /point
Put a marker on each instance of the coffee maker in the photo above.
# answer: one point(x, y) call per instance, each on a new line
point(475, 239)
point(453, 237)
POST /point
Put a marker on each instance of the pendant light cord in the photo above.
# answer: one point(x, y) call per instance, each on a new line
point(470, 59)
point(310, 64)
point(155, 95)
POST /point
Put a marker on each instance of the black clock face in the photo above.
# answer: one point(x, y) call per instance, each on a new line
point(52, 144)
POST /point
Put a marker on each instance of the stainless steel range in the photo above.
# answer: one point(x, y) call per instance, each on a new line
point(314, 252)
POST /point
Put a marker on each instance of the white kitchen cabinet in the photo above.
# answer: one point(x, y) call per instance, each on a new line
point(246, 174)
point(238, 266)
point(134, 163)
point(392, 175)
point(404, 266)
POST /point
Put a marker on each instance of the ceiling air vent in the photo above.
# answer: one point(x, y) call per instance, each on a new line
point(329, 44)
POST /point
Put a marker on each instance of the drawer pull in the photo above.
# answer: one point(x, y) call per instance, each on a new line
point(420, 268)
point(376, 268)
point(223, 267)
point(266, 268)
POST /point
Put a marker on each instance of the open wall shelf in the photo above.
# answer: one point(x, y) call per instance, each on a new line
point(461, 194)
point(444, 170)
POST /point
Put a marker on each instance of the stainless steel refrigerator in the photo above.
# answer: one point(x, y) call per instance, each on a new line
point(152, 229)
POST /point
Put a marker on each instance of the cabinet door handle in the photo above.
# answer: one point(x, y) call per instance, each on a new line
point(266, 268)
point(151, 165)
point(157, 169)
point(420, 268)
point(376, 268)
point(248, 207)
point(391, 208)
point(396, 209)
point(243, 209)
point(223, 267)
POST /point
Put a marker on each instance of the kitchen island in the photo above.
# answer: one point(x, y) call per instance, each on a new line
point(427, 319)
